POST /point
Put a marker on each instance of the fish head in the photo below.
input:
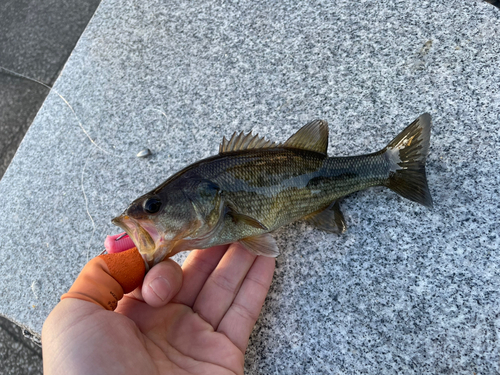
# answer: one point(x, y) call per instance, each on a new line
point(177, 216)
point(157, 221)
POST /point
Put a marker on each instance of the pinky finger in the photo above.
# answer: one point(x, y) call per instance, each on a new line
point(239, 320)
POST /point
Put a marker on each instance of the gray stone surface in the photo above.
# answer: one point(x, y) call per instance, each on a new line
point(36, 38)
point(405, 290)
point(31, 43)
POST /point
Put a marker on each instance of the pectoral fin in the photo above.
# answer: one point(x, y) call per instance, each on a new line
point(331, 219)
point(248, 220)
point(263, 244)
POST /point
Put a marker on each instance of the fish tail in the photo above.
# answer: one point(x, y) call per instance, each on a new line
point(406, 155)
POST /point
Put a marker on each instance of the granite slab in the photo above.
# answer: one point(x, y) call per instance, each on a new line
point(405, 290)
point(36, 38)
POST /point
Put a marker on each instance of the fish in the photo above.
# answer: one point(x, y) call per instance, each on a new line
point(254, 186)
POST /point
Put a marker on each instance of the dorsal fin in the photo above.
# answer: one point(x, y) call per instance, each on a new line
point(312, 137)
point(239, 142)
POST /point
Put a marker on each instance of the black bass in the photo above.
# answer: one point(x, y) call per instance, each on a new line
point(254, 186)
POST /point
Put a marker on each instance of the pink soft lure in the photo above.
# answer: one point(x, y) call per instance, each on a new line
point(114, 246)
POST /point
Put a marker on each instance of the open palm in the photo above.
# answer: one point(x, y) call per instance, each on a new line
point(201, 326)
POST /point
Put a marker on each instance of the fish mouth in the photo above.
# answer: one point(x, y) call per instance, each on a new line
point(144, 235)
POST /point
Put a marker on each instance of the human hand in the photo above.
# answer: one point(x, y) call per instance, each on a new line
point(192, 321)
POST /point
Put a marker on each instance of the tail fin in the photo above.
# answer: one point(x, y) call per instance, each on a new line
point(407, 154)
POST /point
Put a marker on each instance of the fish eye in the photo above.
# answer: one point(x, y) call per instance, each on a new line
point(152, 205)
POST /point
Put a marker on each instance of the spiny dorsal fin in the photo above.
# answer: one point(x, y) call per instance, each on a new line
point(241, 141)
point(312, 137)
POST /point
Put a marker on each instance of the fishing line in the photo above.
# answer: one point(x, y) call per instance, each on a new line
point(87, 204)
point(88, 136)
point(65, 101)
point(158, 110)
point(90, 139)
point(166, 117)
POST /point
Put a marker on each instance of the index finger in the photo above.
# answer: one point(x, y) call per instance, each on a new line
point(196, 269)
point(239, 320)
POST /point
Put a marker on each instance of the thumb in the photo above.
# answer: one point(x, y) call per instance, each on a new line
point(162, 283)
point(106, 278)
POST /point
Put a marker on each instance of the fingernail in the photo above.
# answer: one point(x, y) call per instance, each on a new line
point(161, 287)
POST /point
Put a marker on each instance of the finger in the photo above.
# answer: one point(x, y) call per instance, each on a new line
point(161, 283)
point(241, 317)
point(223, 284)
point(196, 269)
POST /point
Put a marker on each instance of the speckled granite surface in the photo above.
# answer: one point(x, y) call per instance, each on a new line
point(405, 289)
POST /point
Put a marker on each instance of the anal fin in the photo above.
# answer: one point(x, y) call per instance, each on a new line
point(263, 244)
point(331, 219)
